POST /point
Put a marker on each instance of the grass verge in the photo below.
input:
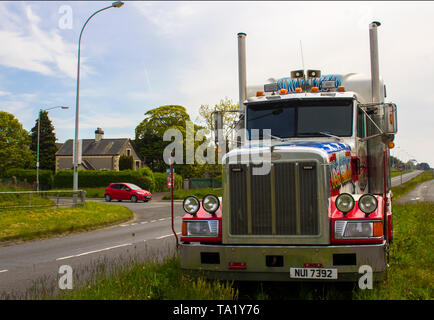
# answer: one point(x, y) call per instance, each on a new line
point(151, 281)
point(410, 274)
point(29, 224)
point(199, 193)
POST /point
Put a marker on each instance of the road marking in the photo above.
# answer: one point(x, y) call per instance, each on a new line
point(143, 222)
point(3, 271)
point(162, 219)
point(133, 224)
point(153, 220)
point(94, 251)
point(167, 235)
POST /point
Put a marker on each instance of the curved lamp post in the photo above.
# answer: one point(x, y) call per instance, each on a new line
point(116, 4)
point(37, 148)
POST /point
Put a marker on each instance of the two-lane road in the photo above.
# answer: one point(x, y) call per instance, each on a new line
point(148, 235)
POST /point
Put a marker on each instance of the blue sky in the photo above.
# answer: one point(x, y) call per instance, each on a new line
point(148, 54)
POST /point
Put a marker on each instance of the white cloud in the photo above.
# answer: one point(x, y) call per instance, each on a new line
point(32, 49)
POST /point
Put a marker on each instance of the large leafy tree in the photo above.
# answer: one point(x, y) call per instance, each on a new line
point(14, 144)
point(149, 136)
point(47, 142)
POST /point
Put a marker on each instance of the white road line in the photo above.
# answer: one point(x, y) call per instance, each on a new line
point(133, 224)
point(167, 235)
point(3, 271)
point(153, 220)
point(143, 222)
point(95, 251)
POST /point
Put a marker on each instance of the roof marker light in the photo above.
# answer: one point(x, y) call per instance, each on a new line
point(283, 91)
point(314, 89)
point(341, 89)
point(259, 93)
point(298, 90)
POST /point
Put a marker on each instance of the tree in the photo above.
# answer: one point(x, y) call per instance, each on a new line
point(47, 142)
point(14, 144)
point(149, 137)
point(229, 116)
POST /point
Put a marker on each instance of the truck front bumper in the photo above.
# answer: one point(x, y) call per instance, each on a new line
point(273, 263)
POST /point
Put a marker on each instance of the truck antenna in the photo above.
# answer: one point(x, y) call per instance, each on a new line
point(302, 60)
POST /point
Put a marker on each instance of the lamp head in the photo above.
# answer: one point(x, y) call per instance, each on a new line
point(117, 4)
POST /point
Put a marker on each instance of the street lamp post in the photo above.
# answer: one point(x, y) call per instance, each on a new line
point(37, 148)
point(116, 4)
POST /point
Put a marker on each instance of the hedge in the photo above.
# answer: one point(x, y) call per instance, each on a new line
point(99, 178)
point(161, 182)
point(45, 176)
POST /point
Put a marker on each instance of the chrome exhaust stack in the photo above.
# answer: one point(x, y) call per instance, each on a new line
point(242, 70)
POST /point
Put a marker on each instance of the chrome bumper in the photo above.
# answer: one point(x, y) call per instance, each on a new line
point(213, 261)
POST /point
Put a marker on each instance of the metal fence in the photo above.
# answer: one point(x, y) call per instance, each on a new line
point(197, 183)
point(41, 199)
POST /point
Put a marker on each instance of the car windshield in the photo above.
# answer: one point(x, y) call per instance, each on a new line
point(133, 186)
point(302, 118)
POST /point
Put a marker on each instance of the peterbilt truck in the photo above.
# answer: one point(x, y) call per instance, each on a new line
point(323, 209)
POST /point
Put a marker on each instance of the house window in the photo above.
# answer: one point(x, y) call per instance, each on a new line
point(137, 164)
point(128, 152)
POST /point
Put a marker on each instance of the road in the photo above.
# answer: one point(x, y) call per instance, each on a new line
point(396, 181)
point(423, 192)
point(148, 235)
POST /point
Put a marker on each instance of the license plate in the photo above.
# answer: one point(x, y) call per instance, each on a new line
point(313, 273)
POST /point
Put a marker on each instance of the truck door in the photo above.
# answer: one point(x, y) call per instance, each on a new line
point(362, 152)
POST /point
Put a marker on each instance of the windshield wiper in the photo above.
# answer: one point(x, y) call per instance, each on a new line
point(323, 133)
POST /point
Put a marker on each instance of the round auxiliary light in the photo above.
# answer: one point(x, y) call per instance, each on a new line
point(210, 203)
point(345, 202)
point(191, 205)
point(368, 203)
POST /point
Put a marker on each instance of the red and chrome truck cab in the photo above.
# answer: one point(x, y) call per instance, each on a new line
point(286, 225)
point(318, 204)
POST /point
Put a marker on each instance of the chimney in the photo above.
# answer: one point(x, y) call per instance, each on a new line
point(99, 134)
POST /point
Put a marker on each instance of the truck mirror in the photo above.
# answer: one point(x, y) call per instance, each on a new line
point(390, 119)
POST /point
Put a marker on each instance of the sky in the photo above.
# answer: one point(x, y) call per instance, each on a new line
point(149, 54)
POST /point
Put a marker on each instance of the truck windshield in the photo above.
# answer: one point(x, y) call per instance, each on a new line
point(302, 118)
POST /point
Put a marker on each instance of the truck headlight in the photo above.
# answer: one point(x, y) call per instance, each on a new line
point(358, 229)
point(368, 203)
point(191, 205)
point(203, 228)
point(345, 202)
point(210, 203)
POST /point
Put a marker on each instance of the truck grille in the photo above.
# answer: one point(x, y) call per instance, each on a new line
point(284, 202)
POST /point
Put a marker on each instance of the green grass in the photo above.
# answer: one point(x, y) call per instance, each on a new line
point(403, 189)
point(95, 192)
point(410, 275)
point(9, 200)
point(199, 193)
point(27, 224)
point(150, 281)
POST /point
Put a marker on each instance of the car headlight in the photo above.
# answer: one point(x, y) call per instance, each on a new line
point(345, 202)
point(368, 203)
point(210, 203)
point(358, 229)
point(204, 228)
point(191, 205)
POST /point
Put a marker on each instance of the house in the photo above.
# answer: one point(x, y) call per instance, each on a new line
point(98, 153)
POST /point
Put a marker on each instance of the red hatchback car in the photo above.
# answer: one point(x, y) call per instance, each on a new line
point(126, 191)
